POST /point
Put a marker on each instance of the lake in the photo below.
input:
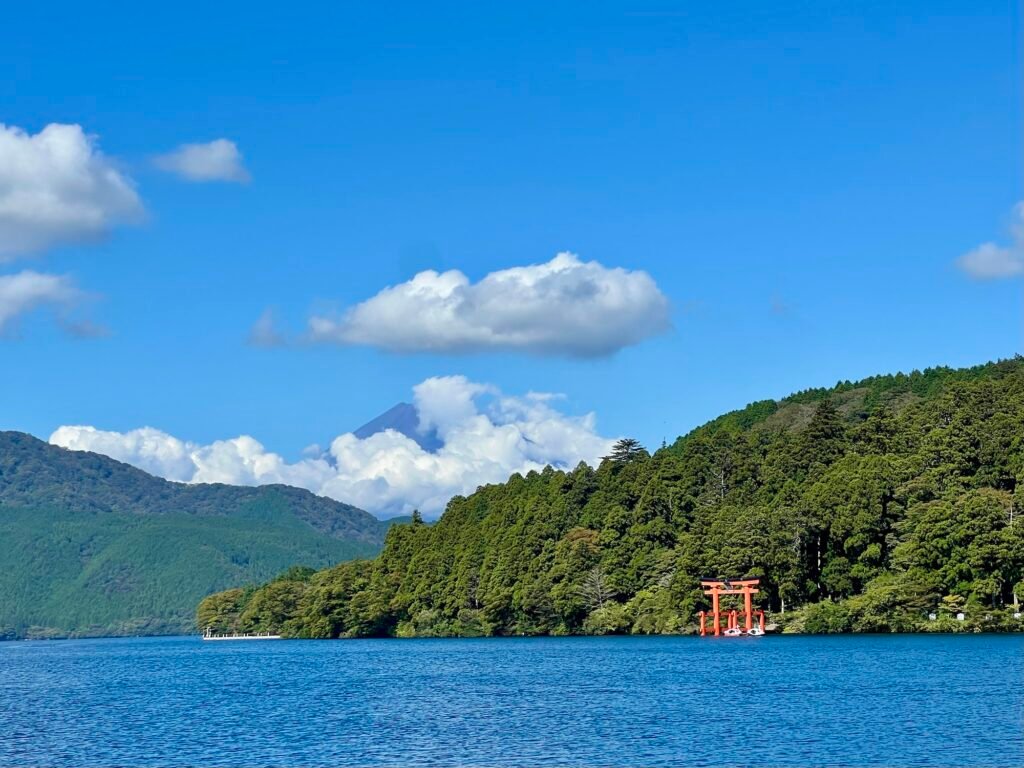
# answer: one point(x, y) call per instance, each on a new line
point(840, 700)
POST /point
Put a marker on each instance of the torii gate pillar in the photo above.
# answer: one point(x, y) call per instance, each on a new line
point(715, 588)
point(715, 612)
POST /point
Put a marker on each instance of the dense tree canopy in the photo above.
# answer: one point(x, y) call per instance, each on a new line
point(865, 507)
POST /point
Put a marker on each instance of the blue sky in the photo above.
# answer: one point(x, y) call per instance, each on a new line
point(798, 180)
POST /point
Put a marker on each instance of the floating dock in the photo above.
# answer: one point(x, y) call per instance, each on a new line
point(209, 635)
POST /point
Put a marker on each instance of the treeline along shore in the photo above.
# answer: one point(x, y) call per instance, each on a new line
point(891, 504)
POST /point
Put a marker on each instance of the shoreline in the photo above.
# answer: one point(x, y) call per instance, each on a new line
point(198, 636)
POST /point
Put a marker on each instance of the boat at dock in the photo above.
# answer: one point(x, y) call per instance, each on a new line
point(209, 635)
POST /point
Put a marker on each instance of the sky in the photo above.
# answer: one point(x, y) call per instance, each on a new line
point(250, 230)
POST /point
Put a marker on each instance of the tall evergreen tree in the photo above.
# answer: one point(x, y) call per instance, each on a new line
point(625, 451)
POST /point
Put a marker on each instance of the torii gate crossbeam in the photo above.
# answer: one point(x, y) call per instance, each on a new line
point(718, 587)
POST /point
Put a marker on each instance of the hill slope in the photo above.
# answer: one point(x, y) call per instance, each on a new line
point(865, 507)
point(89, 545)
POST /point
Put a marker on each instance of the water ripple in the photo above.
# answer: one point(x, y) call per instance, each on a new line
point(786, 701)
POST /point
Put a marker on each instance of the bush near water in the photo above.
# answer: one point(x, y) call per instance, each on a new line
point(868, 507)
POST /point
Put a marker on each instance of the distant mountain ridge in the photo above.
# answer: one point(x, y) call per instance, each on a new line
point(89, 545)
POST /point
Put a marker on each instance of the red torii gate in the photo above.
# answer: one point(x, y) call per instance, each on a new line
point(718, 587)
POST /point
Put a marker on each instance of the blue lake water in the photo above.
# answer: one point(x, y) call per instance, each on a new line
point(867, 700)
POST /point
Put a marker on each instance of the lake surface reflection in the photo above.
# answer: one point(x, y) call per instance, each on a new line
point(849, 700)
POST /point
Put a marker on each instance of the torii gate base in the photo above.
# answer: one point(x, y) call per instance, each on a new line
point(718, 587)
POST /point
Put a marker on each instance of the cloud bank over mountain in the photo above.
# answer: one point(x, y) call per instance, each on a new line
point(485, 436)
point(563, 307)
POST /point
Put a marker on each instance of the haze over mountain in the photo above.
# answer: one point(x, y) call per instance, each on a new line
point(89, 545)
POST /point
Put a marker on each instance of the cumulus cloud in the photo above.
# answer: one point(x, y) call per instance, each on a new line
point(990, 261)
point(485, 435)
point(564, 307)
point(149, 449)
point(57, 187)
point(218, 160)
point(26, 291)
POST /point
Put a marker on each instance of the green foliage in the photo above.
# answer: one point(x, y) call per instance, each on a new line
point(90, 546)
point(863, 508)
point(826, 618)
point(609, 620)
point(220, 612)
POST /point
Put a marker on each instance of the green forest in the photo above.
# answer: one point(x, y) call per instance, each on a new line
point(890, 504)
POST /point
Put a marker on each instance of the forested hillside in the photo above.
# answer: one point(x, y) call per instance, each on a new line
point(91, 546)
point(864, 507)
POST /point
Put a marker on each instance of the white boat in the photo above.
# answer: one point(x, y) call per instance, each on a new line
point(208, 635)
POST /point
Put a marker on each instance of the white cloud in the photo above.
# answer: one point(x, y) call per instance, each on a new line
point(150, 449)
point(218, 160)
point(486, 437)
point(57, 187)
point(990, 261)
point(564, 307)
point(26, 291)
